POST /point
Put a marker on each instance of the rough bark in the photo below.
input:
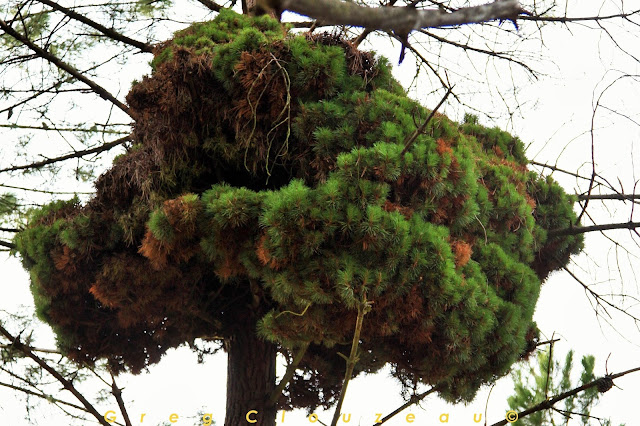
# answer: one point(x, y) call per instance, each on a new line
point(251, 376)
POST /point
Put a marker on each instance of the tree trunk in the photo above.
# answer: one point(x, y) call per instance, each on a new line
point(248, 6)
point(251, 376)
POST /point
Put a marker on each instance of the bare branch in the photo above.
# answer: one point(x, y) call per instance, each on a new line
point(411, 139)
point(399, 19)
point(43, 191)
point(567, 19)
point(109, 32)
point(622, 197)
point(43, 396)
point(63, 129)
point(363, 308)
point(500, 55)
point(77, 154)
point(99, 90)
point(557, 169)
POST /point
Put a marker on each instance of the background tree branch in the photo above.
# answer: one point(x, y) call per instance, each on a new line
point(99, 90)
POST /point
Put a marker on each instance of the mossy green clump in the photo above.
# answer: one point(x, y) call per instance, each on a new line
point(271, 173)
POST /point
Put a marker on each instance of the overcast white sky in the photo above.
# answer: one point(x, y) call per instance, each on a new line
point(556, 113)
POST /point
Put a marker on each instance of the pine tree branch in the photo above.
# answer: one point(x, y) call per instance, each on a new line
point(547, 404)
point(77, 154)
point(211, 5)
point(575, 230)
point(43, 350)
point(43, 191)
point(99, 90)
point(117, 393)
point(68, 385)
point(398, 19)
point(109, 32)
point(43, 396)
point(412, 138)
point(63, 129)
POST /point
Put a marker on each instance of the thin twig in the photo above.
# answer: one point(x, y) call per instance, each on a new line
point(363, 308)
point(412, 138)
point(575, 230)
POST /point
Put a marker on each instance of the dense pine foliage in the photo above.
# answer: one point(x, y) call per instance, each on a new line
point(270, 172)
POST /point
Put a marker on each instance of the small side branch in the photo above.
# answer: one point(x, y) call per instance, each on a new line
point(620, 197)
point(363, 308)
point(412, 138)
point(584, 229)
point(43, 396)
point(601, 301)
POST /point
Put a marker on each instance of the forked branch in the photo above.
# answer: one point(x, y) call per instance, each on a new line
point(364, 306)
point(67, 384)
